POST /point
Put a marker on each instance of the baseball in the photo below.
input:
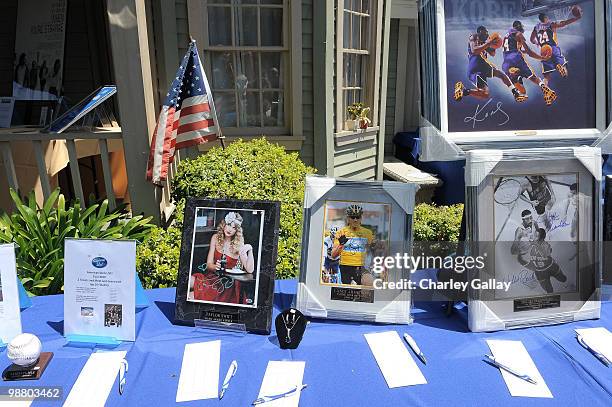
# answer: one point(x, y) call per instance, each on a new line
point(24, 349)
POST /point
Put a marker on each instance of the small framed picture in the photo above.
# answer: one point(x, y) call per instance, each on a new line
point(533, 215)
point(228, 262)
point(350, 229)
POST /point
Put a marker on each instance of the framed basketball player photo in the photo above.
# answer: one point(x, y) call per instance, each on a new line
point(519, 71)
point(227, 263)
point(535, 217)
point(347, 232)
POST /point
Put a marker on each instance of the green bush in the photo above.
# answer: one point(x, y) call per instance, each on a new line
point(157, 259)
point(437, 223)
point(40, 234)
point(253, 169)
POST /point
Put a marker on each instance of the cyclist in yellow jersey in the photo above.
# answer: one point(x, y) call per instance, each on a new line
point(351, 244)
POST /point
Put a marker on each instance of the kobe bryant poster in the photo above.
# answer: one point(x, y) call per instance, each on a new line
point(520, 65)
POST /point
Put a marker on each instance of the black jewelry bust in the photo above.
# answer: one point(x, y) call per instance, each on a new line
point(290, 326)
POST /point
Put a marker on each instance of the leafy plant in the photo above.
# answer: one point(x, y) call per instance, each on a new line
point(157, 259)
point(40, 233)
point(355, 110)
point(437, 223)
point(253, 169)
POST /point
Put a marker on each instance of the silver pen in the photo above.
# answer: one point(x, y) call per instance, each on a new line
point(598, 355)
point(415, 348)
point(231, 371)
point(266, 399)
point(525, 377)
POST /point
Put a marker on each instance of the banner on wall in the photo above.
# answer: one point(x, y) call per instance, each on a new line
point(520, 65)
point(39, 49)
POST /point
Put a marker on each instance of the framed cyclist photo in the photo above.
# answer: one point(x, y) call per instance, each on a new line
point(534, 217)
point(227, 263)
point(347, 233)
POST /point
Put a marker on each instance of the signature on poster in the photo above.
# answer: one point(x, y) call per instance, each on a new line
point(486, 112)
point(556, 222)
point(525, 277)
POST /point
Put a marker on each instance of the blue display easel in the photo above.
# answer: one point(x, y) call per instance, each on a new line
point(94, 340)
point(24, 299)
point(141, 298)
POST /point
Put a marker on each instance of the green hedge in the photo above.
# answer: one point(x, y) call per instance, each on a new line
point(437, 223)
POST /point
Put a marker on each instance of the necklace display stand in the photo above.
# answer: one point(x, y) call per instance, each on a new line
point(290, 326)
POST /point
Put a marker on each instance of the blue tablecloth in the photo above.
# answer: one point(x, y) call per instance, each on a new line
point(340, 369)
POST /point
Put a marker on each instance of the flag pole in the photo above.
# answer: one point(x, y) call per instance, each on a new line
point(220, 135)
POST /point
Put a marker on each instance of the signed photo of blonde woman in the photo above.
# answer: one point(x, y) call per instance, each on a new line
point(225, 256)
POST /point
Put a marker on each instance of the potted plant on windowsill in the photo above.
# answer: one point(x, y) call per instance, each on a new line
point(354, 113)
point(364, 121)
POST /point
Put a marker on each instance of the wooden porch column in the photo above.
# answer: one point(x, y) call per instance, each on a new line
point(132, 67)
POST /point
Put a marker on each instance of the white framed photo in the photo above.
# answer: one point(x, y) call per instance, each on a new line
point(349, 226)
point(10, 315)
point(513, 75)
point(534, 215)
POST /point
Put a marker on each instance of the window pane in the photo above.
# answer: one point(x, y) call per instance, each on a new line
point(273, 108)
point(348, 70)
point(222, 70)
point(365, 6)
point(246, 1)
point(356, 33)
point(219, 26)
point(248, 104)
point(347, 30)
point(247, 74)
point(365, 36)
point(225, 104)
point(220, 1)
point(356, 5)
point(271, 26)
point(271, 70)
point(354, 70)
point(271, 1)
point(246, 25)
point(347, 4)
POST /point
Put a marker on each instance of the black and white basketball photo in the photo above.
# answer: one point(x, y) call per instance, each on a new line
point(536, 223)
point(113, 315)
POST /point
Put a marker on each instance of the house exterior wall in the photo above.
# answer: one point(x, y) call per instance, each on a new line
point(392, 80)
point(349, 157)
point(306, 149)
point(340, 153)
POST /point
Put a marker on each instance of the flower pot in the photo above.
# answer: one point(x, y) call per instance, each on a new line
point(363, 124)
point(351, 125)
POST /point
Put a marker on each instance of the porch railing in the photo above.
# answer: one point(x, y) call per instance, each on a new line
point(36, 137)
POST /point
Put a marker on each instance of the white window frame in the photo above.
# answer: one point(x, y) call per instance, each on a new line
point(374, 43)
point(292, 47)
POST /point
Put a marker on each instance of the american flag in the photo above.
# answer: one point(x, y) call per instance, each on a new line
point(187, 117)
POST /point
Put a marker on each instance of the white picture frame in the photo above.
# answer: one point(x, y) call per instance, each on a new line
point(360, 301)
point(564, 283)
point(441, 143)
point(10, 315)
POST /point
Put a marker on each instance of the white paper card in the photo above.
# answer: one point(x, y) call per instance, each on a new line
point(199, 378)
point(280, 377)
point(96, 380)
point(394, 360)
point(598, 339)
point(514, 355)
point(99, 288)
point(10, 316)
